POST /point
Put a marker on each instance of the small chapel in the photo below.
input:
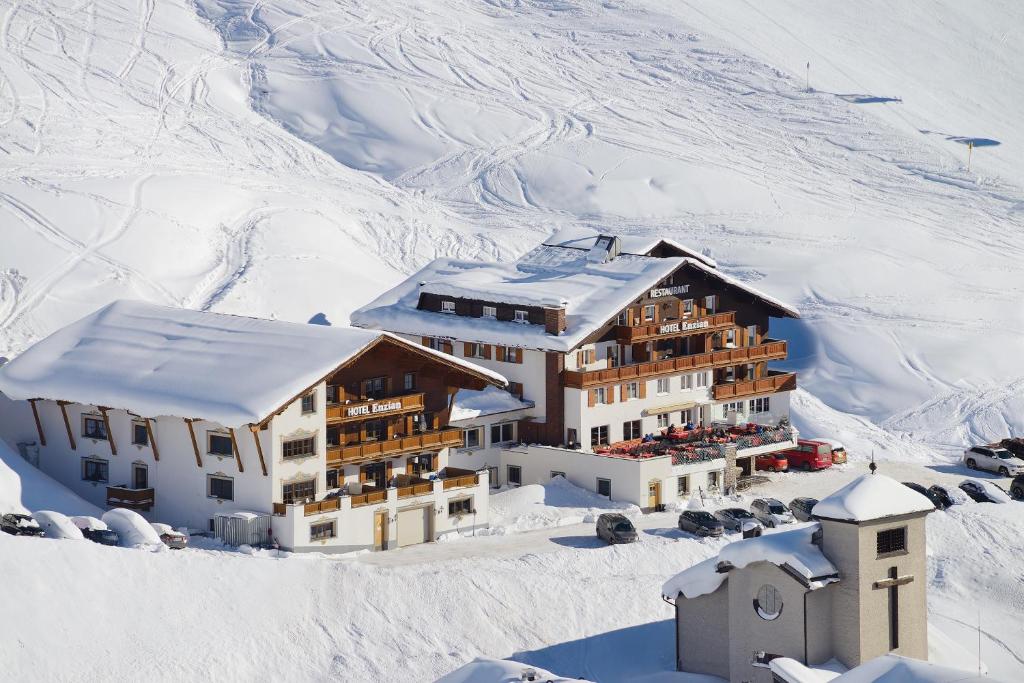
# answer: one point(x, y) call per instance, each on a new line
point(850, 586)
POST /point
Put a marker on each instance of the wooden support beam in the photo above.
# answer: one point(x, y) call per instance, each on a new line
point(110, 433)
point(195, 445)
point(259, 447)
point(39, 424)
point(152, 440)
point(67, 423)
point(238, 453)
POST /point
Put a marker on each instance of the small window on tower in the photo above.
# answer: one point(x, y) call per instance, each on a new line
point(447, 306)
point(891, 541)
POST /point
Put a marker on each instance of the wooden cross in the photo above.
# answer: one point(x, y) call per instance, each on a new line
point(893, 583)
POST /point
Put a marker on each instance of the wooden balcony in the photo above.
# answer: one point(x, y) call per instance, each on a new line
point(340, 413)
point(780, 381)
point(455, 478)
point(770, 350)
point(716, 322)
point(131, 499)
point(369, 496)
point(409, 486)
point(371, 450)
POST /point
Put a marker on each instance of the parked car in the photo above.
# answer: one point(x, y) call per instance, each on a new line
point(701, 523)
point(1017, 488)
point(838, 451)
point(982, 491)
point(614, 527)
point(771, 512)
point(994, 459)
point(95, 530)
point(773, 462)
point(809, 455)
point(927, 493)
point(20, 525)
point(132, 529)
point(948, 495)
point(733, 519)
point(56, 525)
point(801, 508)
point(175, 540)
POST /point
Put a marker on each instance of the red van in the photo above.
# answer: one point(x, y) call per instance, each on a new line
point(809, 455)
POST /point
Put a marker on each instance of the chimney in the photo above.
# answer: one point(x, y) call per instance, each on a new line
point(554, 321)
point(605, 249)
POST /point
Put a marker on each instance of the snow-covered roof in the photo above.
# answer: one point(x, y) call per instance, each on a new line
point(870, 497)
point(791, 549)
point(592, 293)
point(484, 670)
point(577, 237)
point(470, 403)
point(155, 360)
point(896, 669)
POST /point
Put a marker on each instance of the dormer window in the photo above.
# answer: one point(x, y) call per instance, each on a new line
point(521, 317)
point(490, 312)
point(448, 307)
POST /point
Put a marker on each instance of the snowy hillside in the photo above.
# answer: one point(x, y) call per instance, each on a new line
point(290, 158)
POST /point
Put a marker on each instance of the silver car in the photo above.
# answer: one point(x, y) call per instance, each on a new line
point(994, 459)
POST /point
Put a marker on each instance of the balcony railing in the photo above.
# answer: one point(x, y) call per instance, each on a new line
point(455, 478)
point(339, 413)
point(716, 322)
point(771, 349)
point(409, 486)
point(132, 499)
point(779, 381)
point(434, 440)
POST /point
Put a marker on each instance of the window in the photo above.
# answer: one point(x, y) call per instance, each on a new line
point(94, 469)
point(447, 306)
point(768, 603)
point(730, 336)
point(437, 344)
point(613, 356)
point(332, 393)
point(332, 478)
point(474, 350)
point(649, 313)
point(556, 473)
point(218, 443)
point(222, 488)
point(140, 435)
point(409, 381)
point(140, 476)
point(631, 430)
point(751, 335)
point(462, 506)
point(375, 387)
point(891, 541)
point(515, 475)
point(471, 438)
point(421, 464)
point(298, 448)
point(621, 319)
point(571, 437)
point(686, 381)
point(299, 492)
point(683, 486)
point(604, 487)
point(309, 403)
point(506, 354)
point(599, 436)
point(503, 433)
point(632, 391)
point(94, 428)
point(687, 308)
point(663, 385)
point(735, 406)
point(686, 416)
point(702, 379)
point(760, 405)
point(521, 316)
point(663, 420)
point(516, 389)
point(601, 395)
point(321, 531)
point(490, 312)
point(376, 430)
point(711, 303)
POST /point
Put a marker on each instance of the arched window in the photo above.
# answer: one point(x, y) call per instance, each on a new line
point(768, 603)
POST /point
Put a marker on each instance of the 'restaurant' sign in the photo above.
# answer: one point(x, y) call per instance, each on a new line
point(373, 408)
point(659, 292)
point(669, 328)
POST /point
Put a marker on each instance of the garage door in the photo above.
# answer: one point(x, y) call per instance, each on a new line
point(413, 526)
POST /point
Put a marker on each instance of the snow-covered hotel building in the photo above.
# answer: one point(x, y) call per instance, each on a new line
point(605, 339)
point(336, 438)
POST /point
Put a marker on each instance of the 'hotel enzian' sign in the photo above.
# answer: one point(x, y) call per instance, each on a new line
point(373, 408)
point(669, 328)
point(659, 292)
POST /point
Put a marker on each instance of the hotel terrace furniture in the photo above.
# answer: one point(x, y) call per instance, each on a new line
point(337, 437)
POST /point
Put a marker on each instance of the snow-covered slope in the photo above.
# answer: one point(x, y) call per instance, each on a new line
point(23, 488)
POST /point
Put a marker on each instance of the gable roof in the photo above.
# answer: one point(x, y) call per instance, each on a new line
point(155, 360)
point(870, 497)
point(790, 549)
point(576, 237)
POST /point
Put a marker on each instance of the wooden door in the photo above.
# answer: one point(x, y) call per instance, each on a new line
point(140, 477)
point(654, 494)
point(380, 529)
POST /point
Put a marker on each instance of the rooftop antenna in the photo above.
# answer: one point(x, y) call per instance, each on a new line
point(872, 466)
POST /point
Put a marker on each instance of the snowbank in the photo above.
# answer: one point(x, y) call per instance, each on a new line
point(132, 528)
point(872, 496)
point(483, 670)
point(23, 486)
point(56, 525)
point(469, 403)
point(541, 506)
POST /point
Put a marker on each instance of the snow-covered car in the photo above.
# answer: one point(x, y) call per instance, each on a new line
point(802, 507)
point(771, 512)
point(56, 525)
point(132, 528)
point(982, 491)
point(175, 540)
point(95, 530)
point(994, 459)
point(701, 523)
point(613, 527)
point(733, 519)
point(937, 500)
point(20, 525)
point(949, 495)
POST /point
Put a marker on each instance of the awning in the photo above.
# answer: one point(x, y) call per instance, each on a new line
point(671, 408)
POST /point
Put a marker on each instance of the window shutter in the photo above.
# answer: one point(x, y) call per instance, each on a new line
point(516, 389)
point(519, 356)
point(580, 359)
point(623, 393)
point(389, 470)
point(408, 466)
point(592, 398)
point(362, 475)
point(426, 341)
point(610, 393)
point(434, 462)
point(499, 352)
point(446, 347)
point(467, 349)
point(487, 351)
point(643, 389)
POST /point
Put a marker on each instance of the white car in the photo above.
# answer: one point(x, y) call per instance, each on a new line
point(56, 525)
point(994, 459)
